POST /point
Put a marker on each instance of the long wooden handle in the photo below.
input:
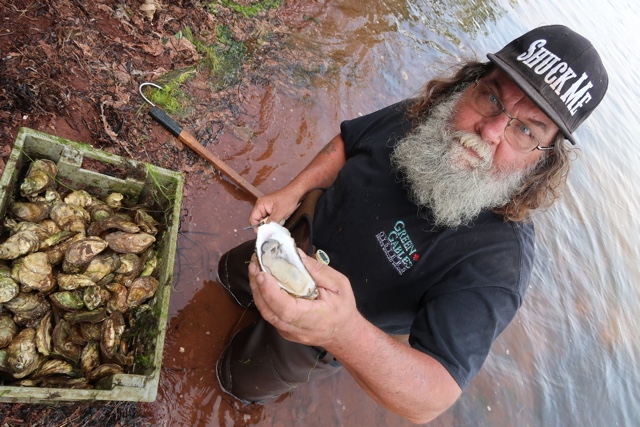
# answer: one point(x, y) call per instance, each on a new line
point(172, 126)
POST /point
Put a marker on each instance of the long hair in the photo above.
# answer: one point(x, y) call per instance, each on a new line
point(542, 187)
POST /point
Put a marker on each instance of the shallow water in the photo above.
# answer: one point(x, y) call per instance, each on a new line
point(571, 355)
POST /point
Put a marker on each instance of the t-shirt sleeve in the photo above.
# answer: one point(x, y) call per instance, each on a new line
point(358, 131)
point(458, 329)
point(472, 304)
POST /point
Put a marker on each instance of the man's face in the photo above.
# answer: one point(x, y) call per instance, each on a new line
point(504, 158)
point(458, 162)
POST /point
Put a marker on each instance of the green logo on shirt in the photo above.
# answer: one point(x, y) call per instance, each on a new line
point(398, 247)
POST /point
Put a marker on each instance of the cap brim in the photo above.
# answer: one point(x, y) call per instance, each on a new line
point(532, 93)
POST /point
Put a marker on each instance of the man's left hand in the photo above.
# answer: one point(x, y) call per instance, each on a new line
point(329, 320)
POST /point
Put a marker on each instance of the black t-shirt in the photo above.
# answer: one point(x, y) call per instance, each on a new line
point(453, 290)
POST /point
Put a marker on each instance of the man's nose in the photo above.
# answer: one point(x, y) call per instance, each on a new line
point(492, 128)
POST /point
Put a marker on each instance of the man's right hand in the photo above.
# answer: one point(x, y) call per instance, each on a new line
point(320, 173)
point(278, 206)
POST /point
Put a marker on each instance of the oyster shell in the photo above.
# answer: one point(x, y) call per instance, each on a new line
point(95, 296)
point(113, 222)
point(70, 282)
point(90, 357)
point(57, 238)
point(8, 330)
point(101, 266)
point(40, 176)
point(277, 254)
point(28, 308)
point(146, 222)
point(114, 200)
point(81, 252)
point(91, 331)
point(68, 300)
point(118, 301)
point(70, 217)
point(82, 317)
point(150, 263)
point(112, 329)
point(34, 273)
point(8, 288)
point(79, 198)
point(3, 361)
point(141, 290)
point(43, 335)
point(99, 210)
point(49, 225)
point(20, 243)
point(65, 343)
point(57, 253)
point(122, 242)
point(31, 211)
point(104, 371)
point(26, 302)
point(28, 320)
point(40, 230)
point(55, 367)
point(22, 355)
point(129, 263)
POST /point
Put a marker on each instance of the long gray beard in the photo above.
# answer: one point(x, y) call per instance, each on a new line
point(441, 176)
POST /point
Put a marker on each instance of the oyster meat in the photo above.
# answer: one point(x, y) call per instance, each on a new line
point(277, 255)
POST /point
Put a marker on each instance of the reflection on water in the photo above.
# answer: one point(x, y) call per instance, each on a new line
point(571, 355)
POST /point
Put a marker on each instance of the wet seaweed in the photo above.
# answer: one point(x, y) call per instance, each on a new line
point(110, 414)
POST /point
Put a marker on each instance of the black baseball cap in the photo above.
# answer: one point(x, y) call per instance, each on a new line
point(559, 70)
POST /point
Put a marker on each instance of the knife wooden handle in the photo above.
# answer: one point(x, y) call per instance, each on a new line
point(183, 135)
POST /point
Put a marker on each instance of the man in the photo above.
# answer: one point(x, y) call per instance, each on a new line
point(426, 222)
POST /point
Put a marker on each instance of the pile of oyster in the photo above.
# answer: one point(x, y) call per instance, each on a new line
point(75, 272)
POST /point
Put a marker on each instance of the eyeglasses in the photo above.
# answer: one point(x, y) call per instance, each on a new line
point(517, 134)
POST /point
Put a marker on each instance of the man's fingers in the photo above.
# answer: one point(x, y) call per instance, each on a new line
point(269, 298)
point(324, 276)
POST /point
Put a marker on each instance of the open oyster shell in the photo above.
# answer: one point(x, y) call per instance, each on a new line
point(277, 254)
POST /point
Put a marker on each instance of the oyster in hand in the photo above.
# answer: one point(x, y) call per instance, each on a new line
point(278, 256)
